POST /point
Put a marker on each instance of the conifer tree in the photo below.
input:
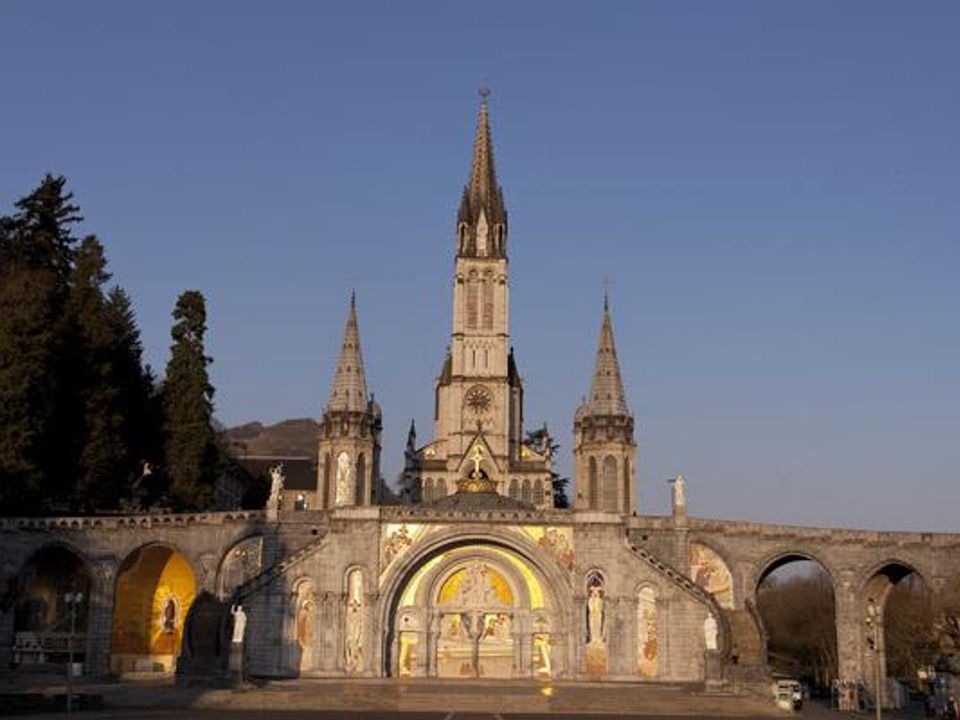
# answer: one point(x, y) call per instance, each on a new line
point(191, 452)
point(537, 439)
point(36, 253)
point(108, 395)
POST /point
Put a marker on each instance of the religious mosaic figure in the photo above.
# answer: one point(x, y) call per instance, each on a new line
point(344, 483)
point(710, 572)
point(648, 646)
point(304, 623)
point(353, 625)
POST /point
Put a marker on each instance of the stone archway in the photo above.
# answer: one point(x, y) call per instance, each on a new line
point(880, 583)
point(154, 592)
point(45, 626)
point(795, 600)
point(476, 609)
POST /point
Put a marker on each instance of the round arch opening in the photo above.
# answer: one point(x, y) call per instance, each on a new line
point(796, 604)
point(45, 625)
point(475, 609)
point(155, 589)
point(900, 631)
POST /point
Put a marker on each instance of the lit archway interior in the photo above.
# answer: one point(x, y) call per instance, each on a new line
point(42, 617)
point(795, 600)
point(155, 589)
point(488, 612)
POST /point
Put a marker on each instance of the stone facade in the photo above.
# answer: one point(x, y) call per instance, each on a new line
point(473, 573)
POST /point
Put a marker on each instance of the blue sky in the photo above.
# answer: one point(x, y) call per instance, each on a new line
point(772, 189)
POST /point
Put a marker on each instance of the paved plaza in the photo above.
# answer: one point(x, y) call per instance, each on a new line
point(418, 700)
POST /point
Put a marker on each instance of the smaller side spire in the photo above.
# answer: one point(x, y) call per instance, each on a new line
point(349, 388)
point(412, 437)
point(607, 396)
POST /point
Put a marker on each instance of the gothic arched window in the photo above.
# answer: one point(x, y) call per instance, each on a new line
point(593, 489)
point(610, 483)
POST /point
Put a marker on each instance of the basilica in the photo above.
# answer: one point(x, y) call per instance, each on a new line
point(475, 572)
point(470, 570)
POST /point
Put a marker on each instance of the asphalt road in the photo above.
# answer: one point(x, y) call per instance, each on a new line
point(159, 714)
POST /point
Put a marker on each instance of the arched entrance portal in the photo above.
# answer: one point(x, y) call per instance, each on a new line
point(898, 627)
point(475, 611)
point(795, 600)
point(154, 592)
point(45, 625)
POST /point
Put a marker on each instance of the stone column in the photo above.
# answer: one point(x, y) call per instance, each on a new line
point(430, 644)
point(849, 618)
point(100, 618)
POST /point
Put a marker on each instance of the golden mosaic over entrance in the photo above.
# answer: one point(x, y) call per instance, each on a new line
point(474, 611)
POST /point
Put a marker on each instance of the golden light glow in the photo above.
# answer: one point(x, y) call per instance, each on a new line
point(451, 589)
point(531, 581)
point(154, 592)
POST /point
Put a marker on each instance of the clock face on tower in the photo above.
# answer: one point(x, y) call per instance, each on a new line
point(478, 399)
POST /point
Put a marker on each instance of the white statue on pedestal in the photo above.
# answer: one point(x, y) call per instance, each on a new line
point(239, 623)
point(276, 488)
point(679, 492)
point(710, 632)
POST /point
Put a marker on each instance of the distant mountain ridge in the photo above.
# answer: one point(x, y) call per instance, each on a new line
point(287, 438)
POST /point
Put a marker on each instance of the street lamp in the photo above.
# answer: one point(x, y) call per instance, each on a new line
point(73, 601)
point(873, 622)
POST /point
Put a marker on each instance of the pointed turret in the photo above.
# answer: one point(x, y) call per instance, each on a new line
point(482, 218)
point(349, 388)
point(604, 448)
point(349, 443)
point(412, 438)
point(606, 391)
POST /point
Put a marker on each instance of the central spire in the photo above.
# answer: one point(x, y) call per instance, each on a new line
point(482, 217)
point(349, 388)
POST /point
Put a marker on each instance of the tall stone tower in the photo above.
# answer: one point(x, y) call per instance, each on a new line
point(348, 459)
point(478, 408)
point(604, 449)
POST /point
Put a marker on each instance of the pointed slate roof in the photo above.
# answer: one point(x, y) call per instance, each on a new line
point(606, 391)
point(482, 192)
point(349, 388)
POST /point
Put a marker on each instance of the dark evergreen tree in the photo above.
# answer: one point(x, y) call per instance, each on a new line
point(36, 255)
point(542, 442)
point(192, 456)
point(108, 389)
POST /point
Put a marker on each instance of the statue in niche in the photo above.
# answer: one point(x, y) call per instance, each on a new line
point(344, 483)
point(276, 487)
point(353, 625)
point(710, 632)
point(595, 613)
point(168, 616)
point(239, 623)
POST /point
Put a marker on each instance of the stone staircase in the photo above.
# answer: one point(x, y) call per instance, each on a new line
point(279, 568)
point(679, 578)
point(748, 644)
